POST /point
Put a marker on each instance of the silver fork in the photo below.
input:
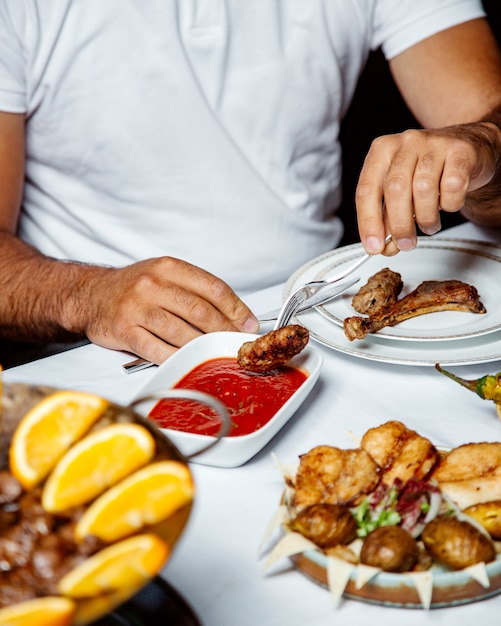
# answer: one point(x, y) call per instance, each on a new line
point(299, 295)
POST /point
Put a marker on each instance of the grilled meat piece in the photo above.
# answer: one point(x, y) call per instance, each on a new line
point(430, 296)
point(36, 548)
point(400, 452)
point(471, 473)
point(381, 291)
point(10, 488)
point(335, 476)
point(273, 349)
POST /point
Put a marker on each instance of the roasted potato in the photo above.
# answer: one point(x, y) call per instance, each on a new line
point(489, 515)
point(391, 548)
point(457, 543)
point(325, 524)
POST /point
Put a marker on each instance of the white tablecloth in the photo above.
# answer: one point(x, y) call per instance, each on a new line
point(216, 565)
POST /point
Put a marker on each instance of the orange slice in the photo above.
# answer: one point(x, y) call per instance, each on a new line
point(48, 611)
point(96, 462)
point(91, 609)
point(123, 565)
point(148, 497)
point(48, 430)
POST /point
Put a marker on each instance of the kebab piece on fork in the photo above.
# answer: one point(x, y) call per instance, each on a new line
point(276, 348)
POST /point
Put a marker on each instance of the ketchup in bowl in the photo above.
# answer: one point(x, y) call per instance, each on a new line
point(251, 399)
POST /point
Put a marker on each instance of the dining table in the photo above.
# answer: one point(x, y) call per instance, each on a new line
point(218, 566)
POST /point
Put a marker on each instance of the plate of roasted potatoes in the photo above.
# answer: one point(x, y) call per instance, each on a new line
point(395, 521)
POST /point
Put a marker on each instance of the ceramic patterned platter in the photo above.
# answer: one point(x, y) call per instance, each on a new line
point(448, 588)
point(436, 587)
point(478, 347)
point(430, 260)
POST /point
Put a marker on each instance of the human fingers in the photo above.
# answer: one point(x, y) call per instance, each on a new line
point(153, 307)
point(150, 348)
point(129, 321)
point(411, 188)
point(200, 298)
point(372, 215)
point(463, 170)
point(190, 293)
point(148, 330)
point(453, 162)
point(369, 195)
point(425, 191)
point(418, 173)
point(413, 166)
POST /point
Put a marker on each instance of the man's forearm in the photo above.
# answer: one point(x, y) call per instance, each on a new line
point(40, 296)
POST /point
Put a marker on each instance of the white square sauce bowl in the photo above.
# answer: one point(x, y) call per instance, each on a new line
point(229, 451)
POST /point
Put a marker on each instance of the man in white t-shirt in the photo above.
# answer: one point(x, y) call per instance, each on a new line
point(155, 156)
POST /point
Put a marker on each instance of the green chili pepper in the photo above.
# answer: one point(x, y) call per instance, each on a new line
point(488, 387)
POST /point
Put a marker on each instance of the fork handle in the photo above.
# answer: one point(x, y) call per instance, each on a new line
point(136, 365)
point(365, 257)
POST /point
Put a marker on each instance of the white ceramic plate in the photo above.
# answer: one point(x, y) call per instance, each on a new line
point(483, 348)
point(229, 451)
point(431, 260)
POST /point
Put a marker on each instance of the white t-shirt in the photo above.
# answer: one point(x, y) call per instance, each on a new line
point(201, 129)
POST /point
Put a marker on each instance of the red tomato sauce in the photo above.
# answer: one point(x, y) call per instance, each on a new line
point(251, 399)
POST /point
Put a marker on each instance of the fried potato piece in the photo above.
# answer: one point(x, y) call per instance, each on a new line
point(400, 452)
point(489, 515)
point(327, 525)
point(336, 476)
point(391, 548)
point(471, 473)
point(273, 349)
